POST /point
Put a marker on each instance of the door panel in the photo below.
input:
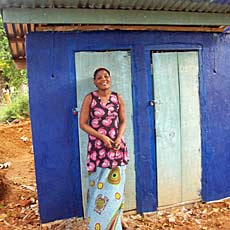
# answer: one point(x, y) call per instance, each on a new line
point(167, 123)
point(177, 124)
point(119, 63)
point(190, 125)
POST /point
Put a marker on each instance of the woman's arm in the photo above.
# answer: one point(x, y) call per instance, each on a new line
point(84, 119)
point(122, 121)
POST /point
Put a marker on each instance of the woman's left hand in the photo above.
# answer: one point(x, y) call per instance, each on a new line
point(117, 144)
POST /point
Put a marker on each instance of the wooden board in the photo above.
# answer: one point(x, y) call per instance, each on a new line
point(190, 125)
point(167, 123)
point(177, 122)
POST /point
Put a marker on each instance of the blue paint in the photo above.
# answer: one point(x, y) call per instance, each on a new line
point(217, 162)
point(52, 89)
point(53, 128)
point(145, 173)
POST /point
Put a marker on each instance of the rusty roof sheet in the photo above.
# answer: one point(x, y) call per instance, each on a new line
point(16, 34)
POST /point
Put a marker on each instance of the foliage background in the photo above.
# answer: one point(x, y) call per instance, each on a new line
point(18, 109)
point(10, 74)
point(19, 106)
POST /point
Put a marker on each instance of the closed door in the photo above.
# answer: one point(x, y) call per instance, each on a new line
point(177, 126)
point(119, 64)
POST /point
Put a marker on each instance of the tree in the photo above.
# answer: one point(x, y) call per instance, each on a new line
point(10, 74)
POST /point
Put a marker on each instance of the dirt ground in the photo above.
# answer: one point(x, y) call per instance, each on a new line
point(19, 205)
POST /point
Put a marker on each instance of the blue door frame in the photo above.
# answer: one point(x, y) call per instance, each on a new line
point(52, 91)
point(146, 201)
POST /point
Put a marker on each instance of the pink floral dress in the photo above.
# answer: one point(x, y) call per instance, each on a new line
point(104, 118)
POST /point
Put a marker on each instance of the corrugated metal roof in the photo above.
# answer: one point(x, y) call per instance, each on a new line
point(208, 6)
point(16, 32)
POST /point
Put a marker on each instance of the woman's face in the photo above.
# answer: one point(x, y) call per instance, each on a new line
point(102, 80)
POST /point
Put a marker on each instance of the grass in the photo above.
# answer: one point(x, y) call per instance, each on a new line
point(19, 108)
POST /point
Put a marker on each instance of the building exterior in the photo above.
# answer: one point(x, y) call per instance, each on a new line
point(169, 60)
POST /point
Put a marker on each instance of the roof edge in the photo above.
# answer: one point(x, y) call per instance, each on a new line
point(113, 17)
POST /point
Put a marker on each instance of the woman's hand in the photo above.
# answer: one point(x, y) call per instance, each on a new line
point(107, 142)
point(117, 144)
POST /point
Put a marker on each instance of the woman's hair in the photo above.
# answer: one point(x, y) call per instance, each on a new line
point(98, 70)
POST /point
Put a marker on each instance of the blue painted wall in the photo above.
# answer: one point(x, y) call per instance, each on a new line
point(50, 63)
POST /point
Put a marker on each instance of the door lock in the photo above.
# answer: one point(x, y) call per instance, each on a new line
point(75, 111)
point(154, 102)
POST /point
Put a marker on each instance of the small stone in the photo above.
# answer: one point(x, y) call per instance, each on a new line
point(20, 130)
point(24, 138)
point(33, 200)
point(24, 203)
point(197, 221)
point(171, 219)
point(2, 216)
point(15, 121)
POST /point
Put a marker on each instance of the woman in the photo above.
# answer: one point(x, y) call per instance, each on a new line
point(103, 118)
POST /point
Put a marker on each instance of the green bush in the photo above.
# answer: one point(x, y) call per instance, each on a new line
point(19, 108)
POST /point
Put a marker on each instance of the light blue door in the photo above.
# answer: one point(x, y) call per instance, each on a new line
point(177, 124)
point(119, 64)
